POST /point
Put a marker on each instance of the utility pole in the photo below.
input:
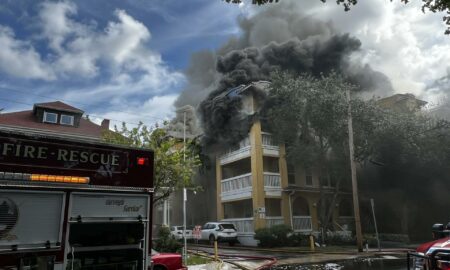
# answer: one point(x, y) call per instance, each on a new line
point(184, 191)
point(353, 173)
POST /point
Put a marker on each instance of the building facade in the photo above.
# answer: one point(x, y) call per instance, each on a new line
point(256, 188)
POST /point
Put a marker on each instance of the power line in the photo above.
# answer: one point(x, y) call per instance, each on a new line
point(70, 101)
point(97, 116)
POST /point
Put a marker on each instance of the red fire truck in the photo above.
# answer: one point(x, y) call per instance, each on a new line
point(434, 255)
point(73, 204)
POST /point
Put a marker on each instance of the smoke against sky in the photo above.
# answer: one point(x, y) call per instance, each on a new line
point(280, 37)
point(397, 51)
point(75, 50)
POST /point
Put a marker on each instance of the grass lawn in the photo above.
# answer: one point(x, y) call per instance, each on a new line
point(195, 259)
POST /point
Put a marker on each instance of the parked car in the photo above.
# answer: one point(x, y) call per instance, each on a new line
point(220, 231)
point(167, 261)
point(177, 232)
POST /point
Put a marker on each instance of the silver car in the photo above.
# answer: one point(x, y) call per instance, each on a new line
point(219, 231)
point(177, 232)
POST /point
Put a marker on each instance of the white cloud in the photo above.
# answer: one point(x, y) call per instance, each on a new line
point(130, 81)
point(155, 109)
point(55, 23)
point(19, 59)
point(119, 53)
point(397, 39)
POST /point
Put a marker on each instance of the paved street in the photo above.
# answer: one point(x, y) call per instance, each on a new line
point(285, 257)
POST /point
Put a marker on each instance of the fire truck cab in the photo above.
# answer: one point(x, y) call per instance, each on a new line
point(433, 255)
point(73, 204)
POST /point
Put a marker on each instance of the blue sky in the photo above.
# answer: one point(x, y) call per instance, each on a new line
point(116, 59)
point(124, 59)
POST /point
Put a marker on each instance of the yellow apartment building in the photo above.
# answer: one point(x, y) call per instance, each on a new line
point(256, 188)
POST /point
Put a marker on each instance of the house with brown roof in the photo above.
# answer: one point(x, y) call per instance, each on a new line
point(56, 119)
point(402, 103)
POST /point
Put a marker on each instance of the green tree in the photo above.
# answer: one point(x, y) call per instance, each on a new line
point(431, 5)
point(309, 115)
point(175, 165)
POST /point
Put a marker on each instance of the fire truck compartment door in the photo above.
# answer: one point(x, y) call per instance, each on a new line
point(92, 207)
point(30, 219)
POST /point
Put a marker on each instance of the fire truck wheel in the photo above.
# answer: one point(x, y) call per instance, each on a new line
point(159, 267)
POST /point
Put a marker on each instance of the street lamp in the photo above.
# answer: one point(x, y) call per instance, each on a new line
point(184, 190)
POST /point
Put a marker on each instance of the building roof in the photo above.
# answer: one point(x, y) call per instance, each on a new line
point(238, 90)
point(58, 105)
point(402, 102)
point(26, 121)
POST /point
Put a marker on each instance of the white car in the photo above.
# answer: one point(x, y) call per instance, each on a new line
point(177, 232)
point(220, 231)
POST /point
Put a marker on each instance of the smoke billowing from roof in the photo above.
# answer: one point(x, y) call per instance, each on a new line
point(184, 124)
point(281, 37)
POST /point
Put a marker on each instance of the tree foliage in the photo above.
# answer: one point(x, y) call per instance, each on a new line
point(410, 149)
point(174, 165)
point(310, 115)
point(431, 5)
point(166, 242)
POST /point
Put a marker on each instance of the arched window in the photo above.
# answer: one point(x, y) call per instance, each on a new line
point(300, 207)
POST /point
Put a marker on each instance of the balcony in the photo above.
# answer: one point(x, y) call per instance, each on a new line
point(239, 187)
point(242, 225)
point(272, 184)
point(236, 153)
point(269, 147)
point(302, 223)
point(272, 221)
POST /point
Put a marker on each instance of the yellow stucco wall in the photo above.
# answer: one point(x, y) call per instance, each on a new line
point(256, 158)
point(219, 189)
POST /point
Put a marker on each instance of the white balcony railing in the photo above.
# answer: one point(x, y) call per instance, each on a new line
point(272, 184)
point(236, 187)
point(236, 153)
point(272, 221)
point(302, 223)
point(237, 183)
point(243, 225)
point(269, 147)
point(267, 139)
point(272, 180)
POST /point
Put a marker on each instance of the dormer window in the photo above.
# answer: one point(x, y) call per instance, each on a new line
point(50, 117)
point(66, 120)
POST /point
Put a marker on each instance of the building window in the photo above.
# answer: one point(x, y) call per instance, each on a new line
point(50, 117)
point(308, 177)
point(66, 120)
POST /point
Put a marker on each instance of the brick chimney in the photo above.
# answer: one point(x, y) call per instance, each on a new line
point(105, 124)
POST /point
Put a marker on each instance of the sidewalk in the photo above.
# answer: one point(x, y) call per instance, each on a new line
point(295, 256)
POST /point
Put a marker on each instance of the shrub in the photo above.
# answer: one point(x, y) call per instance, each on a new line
point(275, 236)
point(393, 237)
point(340, 238)
point(265, 238)
point(165, 241)
point(298, 239)
point(281, 233)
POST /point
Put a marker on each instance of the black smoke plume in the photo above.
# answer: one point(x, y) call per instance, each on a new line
point(280, 38)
